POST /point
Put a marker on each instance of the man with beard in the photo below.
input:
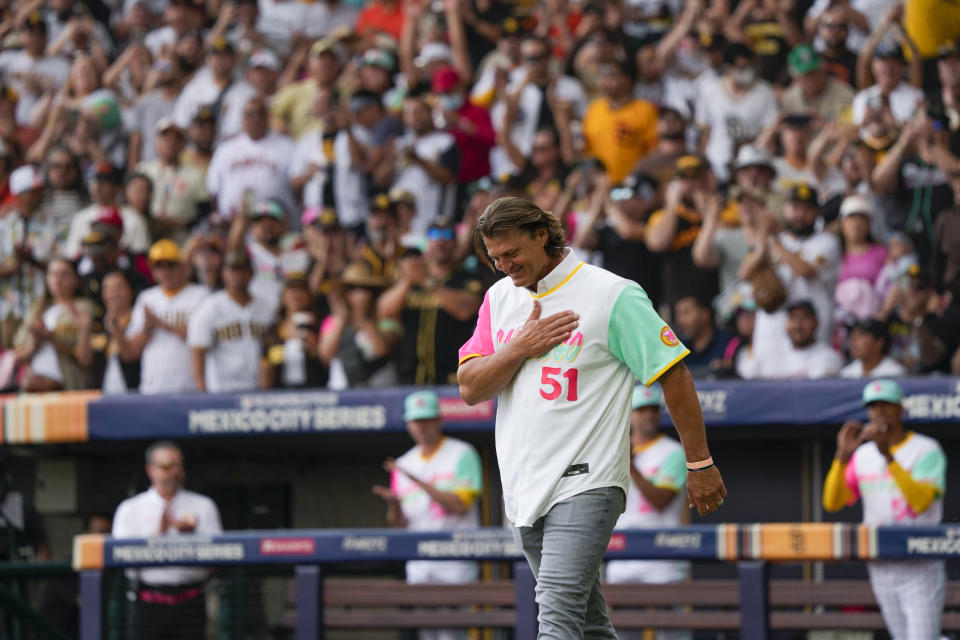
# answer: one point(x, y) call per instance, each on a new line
point(806, 262)
point(153, 107)
point(838, 60)
point(210, 85)
point(29, 70)
point(671, 144)
point(292, 108)
point(806, 357)
point(382, 248)
point(695, 325)
point(436, 302)
point(200, 135)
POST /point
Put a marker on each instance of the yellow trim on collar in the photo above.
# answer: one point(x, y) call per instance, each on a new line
point(562, 282)
point(895, 447)
point(666, 368)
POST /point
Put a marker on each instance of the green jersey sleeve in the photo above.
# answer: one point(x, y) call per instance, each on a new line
point(932, 468)
point(469, 473)
point(672, 473)
point(639, 338)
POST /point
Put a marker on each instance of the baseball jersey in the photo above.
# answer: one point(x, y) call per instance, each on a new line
point(562, 424)
point(232, 336)
point(140, 517)
point(455, 467)
point(242, 164)
point(165, 363)
point(135, 237)
point(869, 479)
point(434, 199)
point(662, 463)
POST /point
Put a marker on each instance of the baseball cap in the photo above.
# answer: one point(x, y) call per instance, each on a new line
point(35, 21)
point(25, 178)
point(433, 52)
point(165, 124)
point(109, 217)
point(205, 113)
point(381, 202)
point(948, 50)
point(750, 156)
point(264, 58)
point(379, 58)
point(484, 184)
point(889, 51)
point(221, 45)
point(325, 218)
point(856, 204)
point(882, 390)
point(399, 195)
point(269, 209)
point(803, 192)
point(803, 59)
point(165, 250)
point(421, 405)
point(360, 274)
point(873, 326)
point(9, 94)
point(361, 100)
point(689, 167)
point(106, 171)
point(237, 260)
point(96, 243)
point(444, 80)
point(806, 305)
point(296, 280)
point(645, 397)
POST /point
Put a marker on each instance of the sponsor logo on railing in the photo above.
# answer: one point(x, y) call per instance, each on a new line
point(290, 420)
point(678, 541)
point(469, 545)
point(194, 552)
point(373, 544)
point(932, 406)
point(287, 546)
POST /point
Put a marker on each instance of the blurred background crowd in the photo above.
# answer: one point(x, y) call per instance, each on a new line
point(226, 195)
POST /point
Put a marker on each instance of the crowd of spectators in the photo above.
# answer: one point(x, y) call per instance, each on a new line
point(226, 195)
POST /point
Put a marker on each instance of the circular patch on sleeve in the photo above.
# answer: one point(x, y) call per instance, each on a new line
point(667, 337)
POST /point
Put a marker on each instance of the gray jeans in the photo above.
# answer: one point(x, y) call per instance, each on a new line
point(564, 549)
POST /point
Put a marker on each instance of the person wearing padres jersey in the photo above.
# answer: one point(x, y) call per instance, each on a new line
point(157, 334)
point(900, 476)
point(433, 487)
point(226, 331)
point(559, 343)
point(167, 602)
point(657, 474)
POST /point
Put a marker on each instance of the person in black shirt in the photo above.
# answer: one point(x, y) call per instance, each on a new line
point(290, 347)
point(694, 321)
point(838, 60)
point(436, 302)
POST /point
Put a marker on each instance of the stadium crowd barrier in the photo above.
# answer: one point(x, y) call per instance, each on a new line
point(751, 546)
point(86, 416)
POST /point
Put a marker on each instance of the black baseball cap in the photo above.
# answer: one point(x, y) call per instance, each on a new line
point(873, 326)
point(35, 21)
point(237, 260)
point(887, 51)
point(806, 305)
point(803, 192)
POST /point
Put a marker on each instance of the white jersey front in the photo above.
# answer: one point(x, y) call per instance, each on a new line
point(868, 476)
point(434, 200)
point(562, 423)
point(887, 368)
point(233, 338)
point(261, 167)
point(815, 361)
point(662, 463)
point(454, 467)
point(165, 363)
point(141, 517)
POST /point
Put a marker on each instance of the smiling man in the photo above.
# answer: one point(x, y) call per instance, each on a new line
point(559, 343)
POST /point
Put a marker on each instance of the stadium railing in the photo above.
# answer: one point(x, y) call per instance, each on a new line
point(752, 547)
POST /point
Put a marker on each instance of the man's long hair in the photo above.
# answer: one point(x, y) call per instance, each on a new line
point(506, 215)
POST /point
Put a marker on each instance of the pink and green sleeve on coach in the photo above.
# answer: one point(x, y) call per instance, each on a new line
point(639, 338)
point(932, 469)
point(481, 342)
point(672, 473)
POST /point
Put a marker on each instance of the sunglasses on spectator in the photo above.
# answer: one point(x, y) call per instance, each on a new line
point(440, 234)
point(621, 193)
point(535, 59)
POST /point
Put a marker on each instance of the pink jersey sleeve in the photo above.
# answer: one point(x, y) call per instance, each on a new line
point(481, 342)
point(394, 484)
point(850, 476)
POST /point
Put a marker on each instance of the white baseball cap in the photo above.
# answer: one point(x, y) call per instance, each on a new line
point(264, 58)
point(433, 52)
point(855, 204)
point(25, 178)
point(750, 156)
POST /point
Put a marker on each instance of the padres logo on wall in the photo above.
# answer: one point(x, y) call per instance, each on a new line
point(667, 337)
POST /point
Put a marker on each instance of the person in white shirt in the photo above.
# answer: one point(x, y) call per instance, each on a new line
point(733, 108)
point(259, 79)
point(169, 602)
point(806, 357)
point(351, 158)
point(225, 333)
point(435, 486)
point(209, 85)
point(559, 343)
point(105, 189)
point(29, 70)
point(868, 342)
point(178, 20)
point(157, 334)
point(251, 167)
point(890, 72)
point(427, 162)
point(658, 477)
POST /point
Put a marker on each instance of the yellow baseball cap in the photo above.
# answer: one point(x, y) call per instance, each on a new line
point(165, 250)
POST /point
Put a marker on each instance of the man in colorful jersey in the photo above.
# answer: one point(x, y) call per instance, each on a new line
point(433, 487)
point(900, 476)
point(657, 475)
point(559, 343)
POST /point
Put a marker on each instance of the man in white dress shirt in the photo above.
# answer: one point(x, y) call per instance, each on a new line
point(168, 602)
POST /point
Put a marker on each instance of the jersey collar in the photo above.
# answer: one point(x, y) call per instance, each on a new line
point(560, 274)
